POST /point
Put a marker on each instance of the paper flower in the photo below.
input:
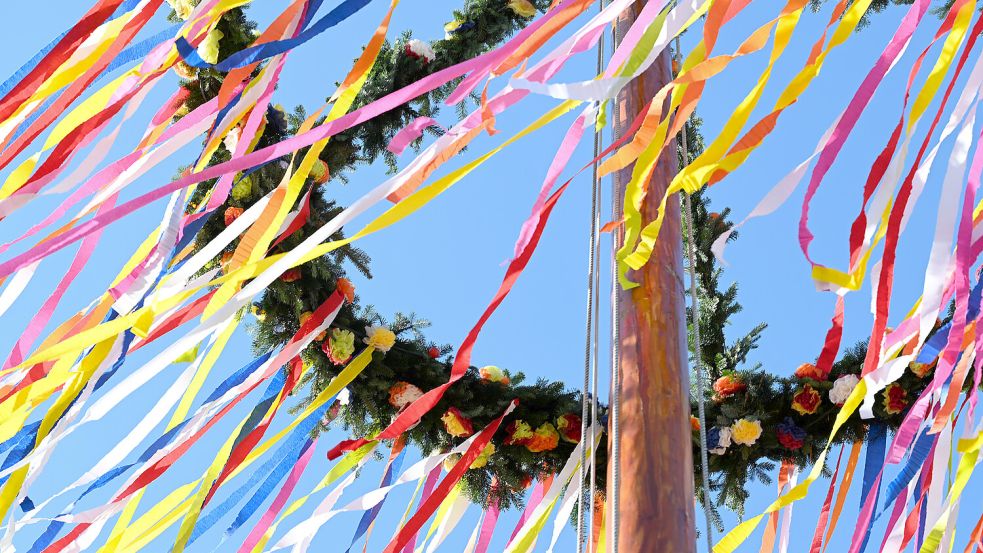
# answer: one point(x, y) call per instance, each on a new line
point(433, 352)
point(259, 313)
point(226, 258)
point(379, 338)
point(522, 8)
point(545, 438)
point(842, 388)
point(569, 426)
point(276, 116)
point(790, 435)
point(242, 190)
point(694, 423)
point(347, 289)
point(452, 29)
point(319, 172)
point(718, 439)
point(456, 424)
point(482, 459)
point(231, 214)
point(183, 8)
point(726, 386)
point(808, 370)
point(182, 110)
point(290, 275)
point(518, 432)
point(922, 370)
point(231, 140)
point(420, 50)
point(746, 431)
point(806, 401)
point(184, 70)
point(492, 373)
point(451, 461)
point(895, 398)
point(208, 49)
point(403, 394)
point(340, 346)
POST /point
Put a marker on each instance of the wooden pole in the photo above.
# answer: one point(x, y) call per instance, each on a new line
point(655, 499)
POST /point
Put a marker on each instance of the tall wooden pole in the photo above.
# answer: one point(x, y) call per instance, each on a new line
point(655, 499)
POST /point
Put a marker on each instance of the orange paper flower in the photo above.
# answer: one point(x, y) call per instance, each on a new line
point(492, 373)
point(726, 386)
point(806, 401)
point(694, 423)
point(545, 438)
point(895, 398)
point(290, 275)
point(347, 288)
point(922, 370)
point(808, 370)
point(403, 394)
point(231, 214)
point(456, 424)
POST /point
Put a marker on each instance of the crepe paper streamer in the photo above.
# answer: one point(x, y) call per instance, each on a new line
point(526, 538)
point(428, 486)
point(975, 544)
point(254, 244)
point(771, 530)
point(817, 537)
point(368, 517)
point(15, 94)
point(281, 498)
point(871, 487)
point(488, 523)
point(970, 449)
point(894, 531)
point(299, 537)
point(445, 519)
point(787, 514)
point(647, 235)
point(534, 499)
point(411, 132)
point(260, 52)
point(475, 448)
point(270, 153)
point(417, 409)
point(571, 496)
point(740, 533)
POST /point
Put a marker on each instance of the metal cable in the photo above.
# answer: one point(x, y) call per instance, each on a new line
point(588, 413)
point(697, 346)
point(615, 410)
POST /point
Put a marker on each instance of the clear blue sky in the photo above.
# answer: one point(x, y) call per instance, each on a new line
point(446, 261)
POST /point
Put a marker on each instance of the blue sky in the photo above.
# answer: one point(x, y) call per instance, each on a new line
point(446, 261)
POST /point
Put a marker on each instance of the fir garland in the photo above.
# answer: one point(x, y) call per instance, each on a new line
point(542, 431)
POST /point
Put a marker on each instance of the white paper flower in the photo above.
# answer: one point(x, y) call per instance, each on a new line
point(723, 441)
point(842, 388)
point(419, 49)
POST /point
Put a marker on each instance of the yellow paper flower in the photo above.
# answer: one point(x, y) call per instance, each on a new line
point(523, 8)
point(456, 424)
point(450, 28)
point(745, 431)
point(259, 314)
point(482, 459)
point(208, 49)
point(183, 8)
point(517, 433)
point(492, 373)
point(451, 461)
point(380, 338)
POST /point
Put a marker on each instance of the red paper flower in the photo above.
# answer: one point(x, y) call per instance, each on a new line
point(895, 398)
point(569, 426)
point(290, 275)
point(806, 401)
point(456, 424)
point(808, 370)
point(726, 386)
point(790, 435)
point(231, 214)
point(518, 432)
point(433, 352)
point(347, 288)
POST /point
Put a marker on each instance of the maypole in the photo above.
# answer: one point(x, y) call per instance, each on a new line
point(650, 473)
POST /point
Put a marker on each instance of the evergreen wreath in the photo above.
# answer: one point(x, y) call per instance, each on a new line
point(755, 418)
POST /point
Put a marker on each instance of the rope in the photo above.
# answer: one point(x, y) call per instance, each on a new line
point(593, 280)
point(615, 410)
point(697, 346)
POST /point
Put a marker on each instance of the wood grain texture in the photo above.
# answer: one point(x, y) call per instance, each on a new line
point(656, 465)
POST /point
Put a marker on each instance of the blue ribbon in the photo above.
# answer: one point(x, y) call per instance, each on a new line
point(261, 52)
point(371, 514)
point(876, 445)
